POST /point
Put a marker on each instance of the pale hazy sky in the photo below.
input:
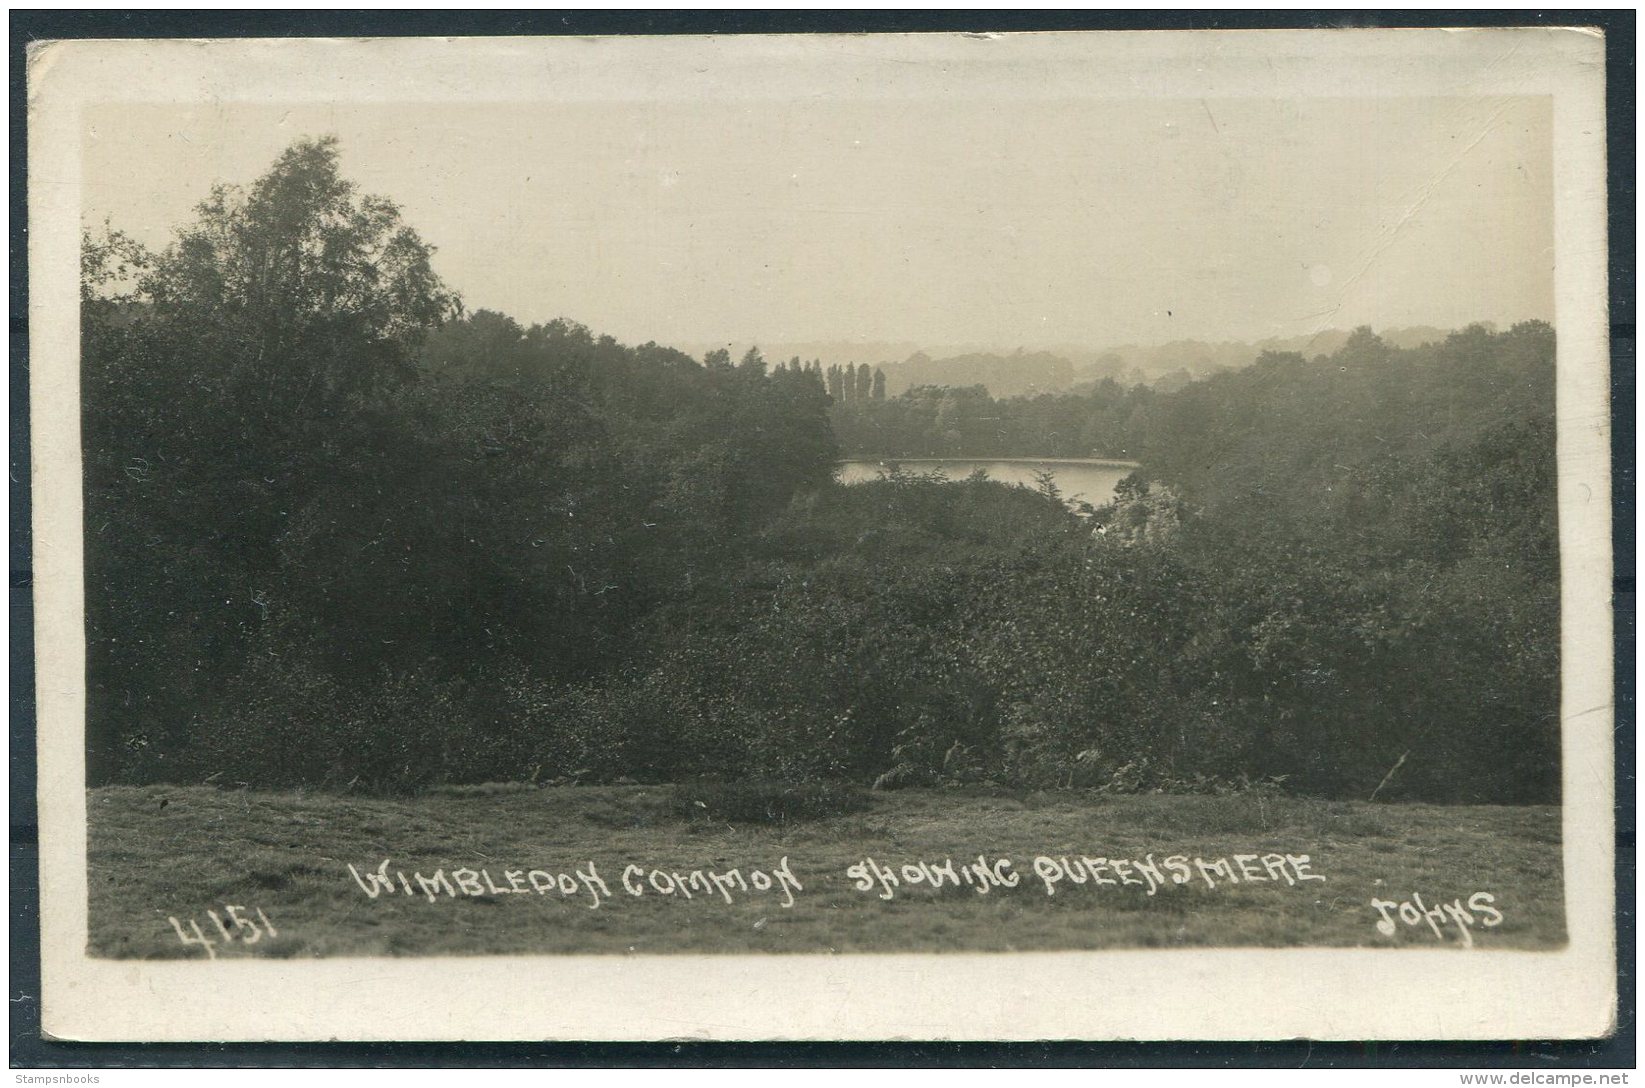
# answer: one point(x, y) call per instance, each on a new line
point(1017, 222)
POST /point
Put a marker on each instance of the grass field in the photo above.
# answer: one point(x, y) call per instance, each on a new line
point(162, 852)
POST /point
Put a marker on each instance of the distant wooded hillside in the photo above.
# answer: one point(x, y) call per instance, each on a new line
point(1167, 367)
point(339, 535)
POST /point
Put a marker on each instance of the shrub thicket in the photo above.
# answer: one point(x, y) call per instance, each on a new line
point(764, 801)
point(339, 536)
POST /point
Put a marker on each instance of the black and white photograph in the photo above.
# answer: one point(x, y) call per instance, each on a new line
point(909, 533)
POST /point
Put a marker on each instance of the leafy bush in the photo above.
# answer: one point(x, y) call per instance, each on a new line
point(767, 801)
point(367, 545)
point(302, 728)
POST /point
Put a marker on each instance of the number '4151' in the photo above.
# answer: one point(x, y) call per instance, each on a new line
point(238, 927)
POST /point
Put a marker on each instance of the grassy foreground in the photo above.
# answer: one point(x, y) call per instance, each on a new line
point(163, 852)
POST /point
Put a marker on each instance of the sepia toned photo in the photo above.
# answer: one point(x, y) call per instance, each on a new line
point(893, 536)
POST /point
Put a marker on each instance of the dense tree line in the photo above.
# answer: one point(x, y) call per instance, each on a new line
point(1103, 419)
point(1411, 398)
point(855, 384)
point(335, 529)
point(1021, 373)
point(1327, 570)
point(341, 534)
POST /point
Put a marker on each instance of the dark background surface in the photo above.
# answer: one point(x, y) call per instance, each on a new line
point(28, 1050)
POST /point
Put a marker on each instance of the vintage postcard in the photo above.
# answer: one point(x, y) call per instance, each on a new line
point(931, 536)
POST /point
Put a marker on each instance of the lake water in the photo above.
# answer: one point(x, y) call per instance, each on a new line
point(1079, 479)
